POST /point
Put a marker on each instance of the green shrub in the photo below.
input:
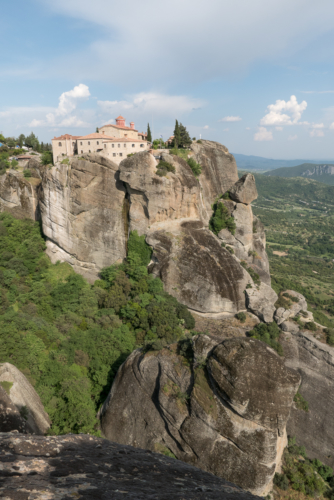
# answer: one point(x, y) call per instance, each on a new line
point(283, 302)
point(164, 167)
point(254, 227)
point(281, 481)
point(195, 167)
point(310, 326)
point(329, 336)
point(301, 402)
point(290, 297)
point(47, 158)
point(7, 386)
point(230, 249)
point(26, 173)
point(241, 316)
point(221, 219)
point(65, 161)
point(226, 196)
point(253, 274)
point(269, 334)
point(24, 412)
point(199, 141)
point(138, 245)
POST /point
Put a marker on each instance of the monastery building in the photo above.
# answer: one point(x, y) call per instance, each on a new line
point(114, 141)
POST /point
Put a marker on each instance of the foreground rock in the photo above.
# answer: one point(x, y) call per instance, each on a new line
point(26, 400)
point(314, 361)
point(260, 300)
point(10, 417)
point(292, 308)
point(84, 214)
point(196, 269)
point(86, 467)
point(18, 195)
point(244, 190)
point(225, 412)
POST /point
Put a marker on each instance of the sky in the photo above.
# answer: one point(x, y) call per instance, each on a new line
point(256, 76)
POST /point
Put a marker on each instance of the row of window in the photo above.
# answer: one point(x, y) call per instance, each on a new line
point(97, 143)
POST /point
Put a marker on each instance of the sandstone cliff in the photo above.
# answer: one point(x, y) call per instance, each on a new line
point(19, 196)
point(22, 394)
point(222, 408)
point(84, 214)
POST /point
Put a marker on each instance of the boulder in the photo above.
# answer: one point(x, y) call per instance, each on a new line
point(72, 466)
point(225, 413)
point(155, 199)
point(260, 300)
point(84, 213)
point(10, 418)
point(195, 269)
point(18, 196)
point(289, 326)
point(294, 308)
point(22, 394)
point(244, 190)
point(314, 361)
point(219, 171)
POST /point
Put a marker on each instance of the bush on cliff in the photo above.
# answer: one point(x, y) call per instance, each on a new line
point(269, 334)
point(68, 337)
point(221, 219)
point(195, 167)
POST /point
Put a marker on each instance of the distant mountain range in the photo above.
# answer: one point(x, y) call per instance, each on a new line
point(259, 164)
point(323, 173)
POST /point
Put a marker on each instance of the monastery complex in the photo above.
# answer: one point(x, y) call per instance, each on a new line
point(114, 141)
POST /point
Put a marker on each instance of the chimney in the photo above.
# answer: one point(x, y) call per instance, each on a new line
point(132, 125)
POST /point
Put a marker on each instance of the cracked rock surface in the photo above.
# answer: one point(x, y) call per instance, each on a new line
point(222, 408)
point(86, 467)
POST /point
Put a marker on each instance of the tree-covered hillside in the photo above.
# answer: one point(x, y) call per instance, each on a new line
point(69, 337)
point(319, 172)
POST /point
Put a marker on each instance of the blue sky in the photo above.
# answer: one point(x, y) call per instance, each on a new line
point(256, 76)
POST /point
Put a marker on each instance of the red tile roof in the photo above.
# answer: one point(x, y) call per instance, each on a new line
point(120, 118)
point(119, 126)
point(65, 136)
point(123, 139)
point(96, 135)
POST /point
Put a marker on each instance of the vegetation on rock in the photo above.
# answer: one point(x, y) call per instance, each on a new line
point(301, 402)
point(195, 167)
point(164, 167)
point(221, 219)
point(69, 337)
point(269, 334)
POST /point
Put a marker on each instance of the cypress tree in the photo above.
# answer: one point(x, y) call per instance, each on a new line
point(177, 136)
point(149, 135)
point(185, 140)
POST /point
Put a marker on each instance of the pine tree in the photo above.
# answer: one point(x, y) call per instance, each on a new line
point(149, 134)
point(185, 140)
point(177, 137)
point(97, 130)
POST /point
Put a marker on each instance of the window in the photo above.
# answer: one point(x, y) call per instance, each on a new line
point(88, 143)
point(113, 145)
point(89, 151)
point(105, 146)
point(114, 154)
point(80, 143)
point(142, 145)
point(121, 154)
point(97, 142)
point(133, 145)
point(119, 145)
point(73, 144)
point(59, 143)
point(81, 151)
point(124, 145)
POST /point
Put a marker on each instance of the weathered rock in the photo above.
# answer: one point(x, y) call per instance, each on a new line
point(315, 363)
point(18, 196)
point(219, 171)
point(25, 398)
point(10, 417)
point(228, 418)
point(87, 467)
point(84, 214)
point(260, 300)
point(244, 190)
point(289, 326)
point(157, 199)
point(196, 269)
point(283, 314)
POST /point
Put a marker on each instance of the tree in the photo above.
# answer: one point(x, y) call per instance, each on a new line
point(47, 158)
point(185, 140)
point(21, 140)
point(97, 130)
point(31, 141)
point(149, 134)
point(2, 139)
point(177, 136)
point(10, 142)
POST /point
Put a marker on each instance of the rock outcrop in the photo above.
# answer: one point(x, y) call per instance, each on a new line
point(10, 417)
point(314, 361)
point(244, 190)
point(219, 171)
point(196, 269)
point(225, 412)
point(260, 300)
point(18, 196)
point(85, 214)
point(284, 313)
point(22, 394)
point(62, 467)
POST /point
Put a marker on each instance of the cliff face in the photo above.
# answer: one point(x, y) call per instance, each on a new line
point(224, 408)
point(84, 214)
point(19, 196)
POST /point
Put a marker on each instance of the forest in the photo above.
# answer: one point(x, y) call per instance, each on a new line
point(69, 337)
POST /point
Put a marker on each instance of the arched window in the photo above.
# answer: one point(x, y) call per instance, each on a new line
point(59, 143)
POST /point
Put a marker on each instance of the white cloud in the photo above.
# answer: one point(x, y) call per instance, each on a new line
point(331, 126)
point(153, 103)
point(292, 115)
point(128, 29)
point(279, 129)
point(61, 116)
point(206, 127)
point(248, 128)
point(292, 137)
point(316, 133)
point(263, 135)
point(230, 119)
